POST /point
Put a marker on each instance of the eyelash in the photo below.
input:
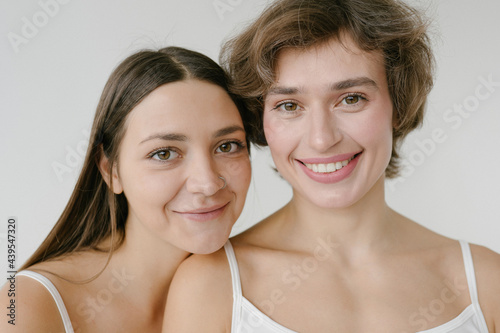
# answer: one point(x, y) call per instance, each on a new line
point(359, 95)
point(159, 150)
point(239, 146)
point(278, 106)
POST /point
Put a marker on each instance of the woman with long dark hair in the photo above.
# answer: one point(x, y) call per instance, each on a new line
point(165, 175)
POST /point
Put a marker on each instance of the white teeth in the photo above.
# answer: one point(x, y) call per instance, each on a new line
point(326, 168)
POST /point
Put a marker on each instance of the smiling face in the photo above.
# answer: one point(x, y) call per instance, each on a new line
point(328, 122)
point(178, 142)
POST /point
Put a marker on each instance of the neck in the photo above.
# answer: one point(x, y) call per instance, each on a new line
point(148, 264)
point(360, 227)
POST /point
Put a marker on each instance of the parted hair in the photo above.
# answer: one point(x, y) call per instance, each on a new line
point(395, 29)
point(94, 213)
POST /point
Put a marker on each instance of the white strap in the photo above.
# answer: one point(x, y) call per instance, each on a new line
point(55, 294)
point(469, 271)
point(471, 281)
point(235, 277)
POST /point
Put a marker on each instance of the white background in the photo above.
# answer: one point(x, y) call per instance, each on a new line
point(51, 81)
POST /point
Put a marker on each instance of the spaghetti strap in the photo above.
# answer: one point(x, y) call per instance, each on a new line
point(237, 293)
point(469, 271)
point(55, 295)
point(471, 282)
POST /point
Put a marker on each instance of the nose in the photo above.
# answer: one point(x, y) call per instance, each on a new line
point(203, 176)
point(322, 132)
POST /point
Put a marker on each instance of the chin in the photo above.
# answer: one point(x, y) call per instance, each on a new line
point(207, 245)
point(334, 204)
point(325, 200)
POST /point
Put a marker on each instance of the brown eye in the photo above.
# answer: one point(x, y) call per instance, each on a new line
point(352, 99)
point(230, 147)
point(163, 155)
point(289, 106)
point(225, 147)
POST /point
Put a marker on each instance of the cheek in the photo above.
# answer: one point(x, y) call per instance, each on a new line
point(149, 188)
point(276, 129)
point(384, 127)
point(238, 174)
point(282, 136)
point(377, 132)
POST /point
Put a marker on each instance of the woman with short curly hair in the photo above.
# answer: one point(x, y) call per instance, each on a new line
point(335, 85)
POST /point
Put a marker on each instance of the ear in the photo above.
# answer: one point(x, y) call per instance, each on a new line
point(112, 179)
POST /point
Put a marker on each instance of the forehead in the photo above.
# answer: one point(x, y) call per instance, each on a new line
point(331, 60)
point(191, 107)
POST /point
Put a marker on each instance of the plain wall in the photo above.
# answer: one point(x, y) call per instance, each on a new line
point(52, 76)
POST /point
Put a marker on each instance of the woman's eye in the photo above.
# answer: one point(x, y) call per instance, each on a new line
point(288, 106)
point(229, 147)
point(163, 155)
point(352, 99)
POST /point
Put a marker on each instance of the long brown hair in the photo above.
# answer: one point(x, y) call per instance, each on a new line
point(390, 26)
point(94, 213)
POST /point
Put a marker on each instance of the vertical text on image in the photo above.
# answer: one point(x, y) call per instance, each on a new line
point(11, 269)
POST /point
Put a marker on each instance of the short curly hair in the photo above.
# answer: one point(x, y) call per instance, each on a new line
point(389, 26)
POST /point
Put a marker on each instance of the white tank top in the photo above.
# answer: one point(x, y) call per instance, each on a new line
point(247, 318)
point(55, 295)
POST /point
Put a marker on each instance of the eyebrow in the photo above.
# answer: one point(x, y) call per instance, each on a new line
point(182, 137)
point(341, 85)
point(228, 130)
point(356, 82)
point(166, 137)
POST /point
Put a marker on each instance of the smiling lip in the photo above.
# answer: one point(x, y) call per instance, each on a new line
point(331, 169)
point(205, 214)
point(326, 160)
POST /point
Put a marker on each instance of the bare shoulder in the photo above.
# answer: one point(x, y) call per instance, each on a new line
point(487, 268)
point(32, 307)
point(200, 295)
